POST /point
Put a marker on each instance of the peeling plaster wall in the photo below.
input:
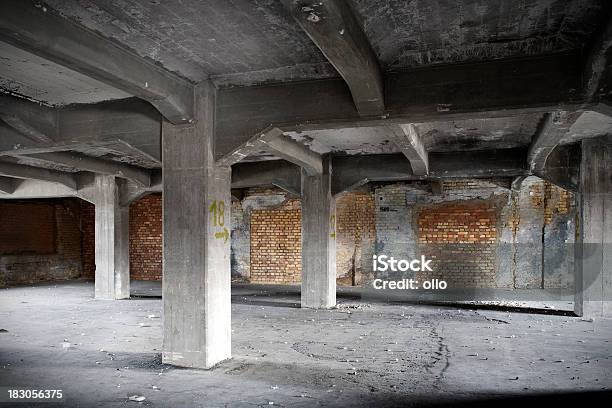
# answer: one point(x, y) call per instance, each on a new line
point(355, 237)
point(493, 238)
point(528, 237)
point(559, 238)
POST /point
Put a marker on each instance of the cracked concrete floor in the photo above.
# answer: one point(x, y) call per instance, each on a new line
point(357, 355)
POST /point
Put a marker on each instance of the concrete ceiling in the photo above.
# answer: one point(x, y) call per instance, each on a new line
point(196, 38)
point(245, 42)
point(411, 33)
point(479, 134)
point(458, 135)
point(26, 74)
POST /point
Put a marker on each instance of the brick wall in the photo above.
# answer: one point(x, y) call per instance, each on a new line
point(460, 238)
point(276, 244)
point(403, 220)
point(28, 227)
point(88, 237)
point(146, 238)
point(40, 240)
point(559, 237)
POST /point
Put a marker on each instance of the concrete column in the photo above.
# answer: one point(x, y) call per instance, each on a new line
point(112, 240)
point(318, 240)
point(593, 263)
point(196, 224)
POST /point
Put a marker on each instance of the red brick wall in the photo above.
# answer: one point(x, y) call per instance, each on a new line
point(28, 227)
point(276, 244)
point(146, 238)
point(40, 240)
point(460, 238)
point(88, 238)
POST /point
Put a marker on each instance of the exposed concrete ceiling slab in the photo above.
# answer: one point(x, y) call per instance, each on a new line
point(479, 134)
point(458, 135)
point(414, 33)
point(34, 162)
point(25, 74)
point(357, 140)
point(589, 124)
point(196, 38)
point(251, 42)
point(115, 153)
point(246, 42)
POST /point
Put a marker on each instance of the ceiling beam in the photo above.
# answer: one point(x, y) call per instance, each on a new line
point(86, 163)
point(34, 173)
point(131, 126)
point(597, 74)
point(248, 148)
point(500, 88)
point(8, 185)
point(43, 32)
point(278, 173)
point(553, 127)
point(333, 27)
point(35, 122)
point(408, 140)
point(272, 141)
point(353, 171)
point(294, 152)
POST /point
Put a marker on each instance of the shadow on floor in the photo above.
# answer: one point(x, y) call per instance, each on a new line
point(289, 296)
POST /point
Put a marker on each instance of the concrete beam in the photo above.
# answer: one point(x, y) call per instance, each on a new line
point(128, 125)
point(279, 173)
point(196, 222)
point(42, 31)
point(294, 152)
point(253, 145)
point(597, 76)
point(8, 185)
point(112, 278)
point(563, 167)
point(35, 122)
point(130, 191)
point(553, 127)
point(351, 172)
point(407, 139)
point(273, 141)
point(27, 172)
point(333, 27)
point(488, 89)
point(95, 165)
point(318, 240)
point(26, 189)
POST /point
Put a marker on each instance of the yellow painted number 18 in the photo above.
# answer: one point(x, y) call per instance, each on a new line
point(217, 208)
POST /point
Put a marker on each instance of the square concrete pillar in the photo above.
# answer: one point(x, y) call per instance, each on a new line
point(196, 224)
point(111, 240)
point(318, 240)
point(593, 263)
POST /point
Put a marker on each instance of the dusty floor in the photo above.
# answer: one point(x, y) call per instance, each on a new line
point(372, 354)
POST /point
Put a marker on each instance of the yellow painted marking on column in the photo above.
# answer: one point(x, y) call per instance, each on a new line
point(222, 235)
point(217, 208)
point(332, 226)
